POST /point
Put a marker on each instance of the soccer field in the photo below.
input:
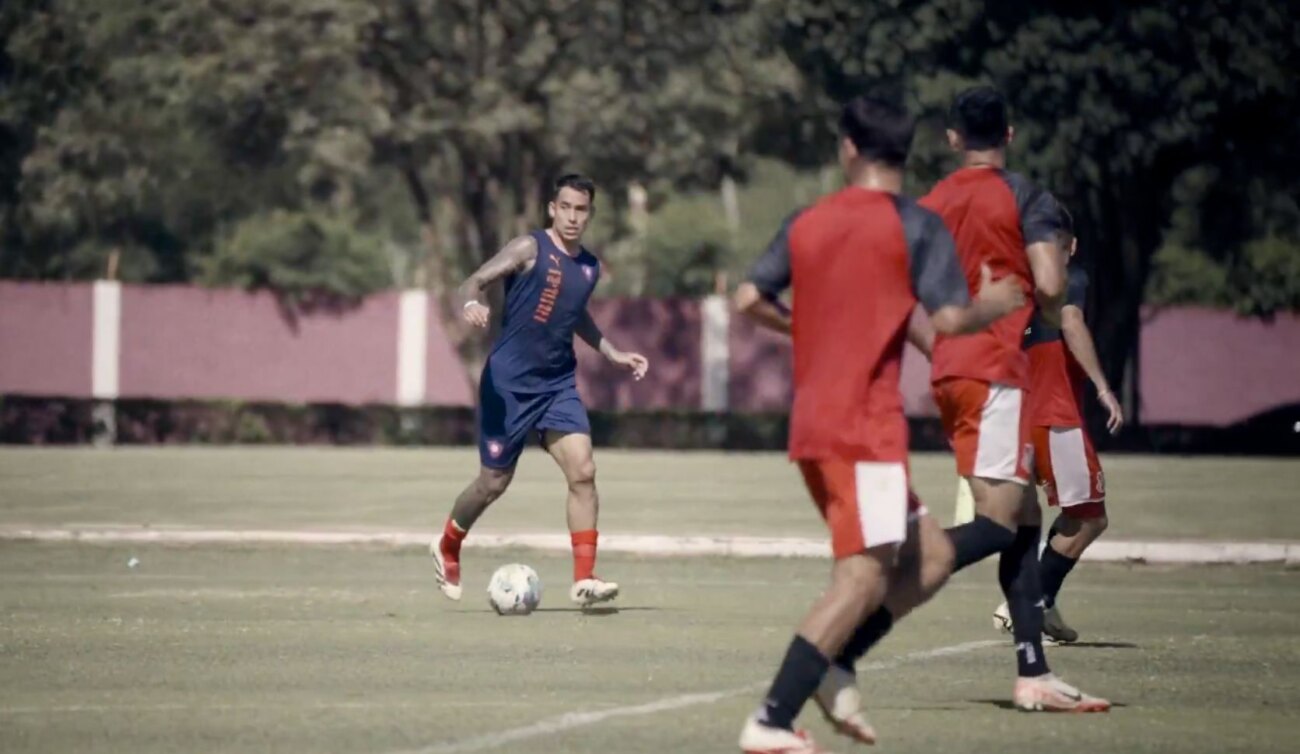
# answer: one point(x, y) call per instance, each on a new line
point(704, 493)
point(352, 649)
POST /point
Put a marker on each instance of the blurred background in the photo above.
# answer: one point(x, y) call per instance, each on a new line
point(240, 220)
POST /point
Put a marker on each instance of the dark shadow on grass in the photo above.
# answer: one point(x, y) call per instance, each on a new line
point(1007, 704)
point(1098, 645)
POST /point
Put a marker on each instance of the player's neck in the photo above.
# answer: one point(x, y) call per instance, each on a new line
point(874, 176)
point(985, 158)
point(573, 248)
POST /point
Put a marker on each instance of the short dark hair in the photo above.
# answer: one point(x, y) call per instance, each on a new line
point(979, 114)
point(577, 182)
point(880, 129)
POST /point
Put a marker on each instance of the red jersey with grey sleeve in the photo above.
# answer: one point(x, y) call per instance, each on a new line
point(858, 261)
point(993, 215)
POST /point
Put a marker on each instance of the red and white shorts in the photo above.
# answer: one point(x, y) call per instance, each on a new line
point(864, 503)
point(1067, 466)
point(988, 427)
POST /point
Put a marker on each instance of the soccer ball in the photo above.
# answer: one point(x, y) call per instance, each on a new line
point(514, 590)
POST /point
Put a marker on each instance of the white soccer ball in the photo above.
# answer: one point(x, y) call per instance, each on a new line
point(514, 589)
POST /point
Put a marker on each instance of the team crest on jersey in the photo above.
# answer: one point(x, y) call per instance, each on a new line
point(494, 448)
point(590, 272)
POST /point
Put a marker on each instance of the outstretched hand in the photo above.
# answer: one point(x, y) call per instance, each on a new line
point(634, 362)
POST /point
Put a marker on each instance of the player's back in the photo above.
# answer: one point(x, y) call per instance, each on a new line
point(534, 352)
point(987, 211)
point(852, 296)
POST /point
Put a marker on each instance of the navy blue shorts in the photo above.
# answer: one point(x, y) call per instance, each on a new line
point(505, 420)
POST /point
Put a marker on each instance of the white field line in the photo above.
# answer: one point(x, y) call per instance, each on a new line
point(571, 720)
point(1171, 552)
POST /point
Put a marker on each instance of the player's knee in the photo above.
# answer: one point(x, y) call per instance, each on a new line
point(583, 474)
point(494, 483)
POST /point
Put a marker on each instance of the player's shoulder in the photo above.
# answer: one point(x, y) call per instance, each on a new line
point(919, 219)
point(1026, 191)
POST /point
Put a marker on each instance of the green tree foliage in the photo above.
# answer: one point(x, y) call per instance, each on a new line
point(1113, 103)
point(299, 254)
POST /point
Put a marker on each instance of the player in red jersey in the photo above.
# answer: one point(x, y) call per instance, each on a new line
point(1000, 220)
point(858, 260)
point(1061, 360)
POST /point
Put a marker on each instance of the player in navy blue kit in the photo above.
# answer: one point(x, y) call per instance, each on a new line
point(529, 383)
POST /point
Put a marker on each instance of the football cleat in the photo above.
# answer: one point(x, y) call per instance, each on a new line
point(841, 704)
point(1002, 618)
point(592, 591)
point(1048, 693)
point(446, 569)
point(1055, 627)
point(757, 738)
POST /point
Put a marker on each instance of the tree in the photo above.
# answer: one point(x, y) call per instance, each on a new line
point(1113, 102)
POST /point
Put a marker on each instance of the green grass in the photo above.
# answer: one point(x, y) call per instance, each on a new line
point(1152, 497)
point(353, 650)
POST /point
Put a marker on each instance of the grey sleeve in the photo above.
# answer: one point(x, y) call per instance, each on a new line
point(1076, 287)
point(1040, 212)
point(771, 273)
point(937, 277)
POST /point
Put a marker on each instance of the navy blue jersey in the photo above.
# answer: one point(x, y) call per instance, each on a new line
point(534, 353)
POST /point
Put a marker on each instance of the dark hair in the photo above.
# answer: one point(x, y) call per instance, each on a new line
point(980, 116)
point(881, 130)
point(576, 182)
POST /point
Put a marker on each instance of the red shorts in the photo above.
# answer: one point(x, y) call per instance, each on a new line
point(988, 428)
point(864, 503)
point(1067, 466)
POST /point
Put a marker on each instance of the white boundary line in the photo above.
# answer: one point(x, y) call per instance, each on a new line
point(571, 720)
point(1173, 552)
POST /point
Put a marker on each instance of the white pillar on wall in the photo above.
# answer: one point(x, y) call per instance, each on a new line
point(412, 347)
point(715, 357)
point(106, 340)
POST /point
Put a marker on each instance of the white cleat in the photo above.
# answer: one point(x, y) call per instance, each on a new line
point(1050, 694)
point(592, 591)
point(446, 572)
point(757, 738)
point(1055, 627)
point(1002, 618)
point(841, 704)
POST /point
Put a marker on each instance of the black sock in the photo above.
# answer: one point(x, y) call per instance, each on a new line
point(1053, 568)
point(978, 540)
point(800, 674)
point(872, 630)
point(1018, 574)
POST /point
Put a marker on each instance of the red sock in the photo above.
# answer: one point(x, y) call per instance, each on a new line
point(584, 553)
point(452, 536)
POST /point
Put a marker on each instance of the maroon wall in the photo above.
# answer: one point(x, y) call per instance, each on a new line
point(1208, 367)
point(667, 332)
point(446, 381)
point(1198, 366)
point(45, 339)
point(182, 342)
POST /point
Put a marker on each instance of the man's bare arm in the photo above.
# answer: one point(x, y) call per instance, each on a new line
point(590, 333)
point(920, 331)
point(516, 256)
point(767, 312)
point(1047, 264)
point(1077, 337)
